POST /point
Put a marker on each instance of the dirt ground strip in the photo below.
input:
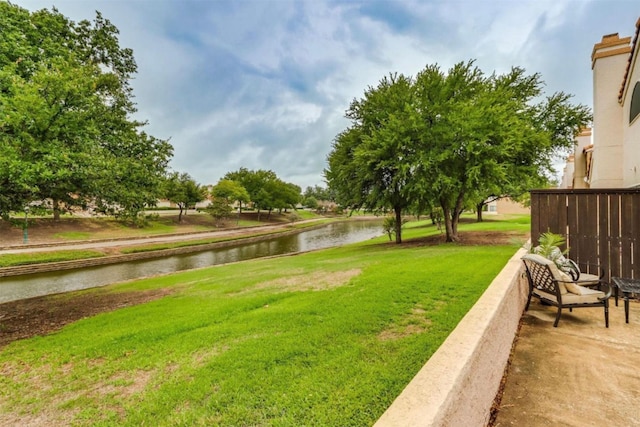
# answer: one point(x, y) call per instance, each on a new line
point(44, 315)
point(578, 374)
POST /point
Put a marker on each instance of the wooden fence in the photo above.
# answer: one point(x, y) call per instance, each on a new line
point(601, 226)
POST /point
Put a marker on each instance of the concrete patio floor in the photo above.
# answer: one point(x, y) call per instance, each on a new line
point(578, 374)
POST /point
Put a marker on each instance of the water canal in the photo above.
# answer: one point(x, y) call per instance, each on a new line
point(335, 234)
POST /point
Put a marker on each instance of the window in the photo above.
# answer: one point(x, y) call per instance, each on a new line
point(635, 102)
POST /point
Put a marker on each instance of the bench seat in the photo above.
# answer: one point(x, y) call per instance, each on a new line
point(588, 296)
point(549, 284)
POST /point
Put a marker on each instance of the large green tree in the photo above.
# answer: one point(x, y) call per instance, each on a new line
point(449, 140)
point(66, 133)
point(483, 135)
point(231, 191)
point(220, 210)
point(265, 189)
point(286, 195)
point(184, 191)
point(252, 180)
point(370, 165)
point(318, 192)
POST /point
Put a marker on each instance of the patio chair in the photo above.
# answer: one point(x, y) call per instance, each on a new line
point(553, 287)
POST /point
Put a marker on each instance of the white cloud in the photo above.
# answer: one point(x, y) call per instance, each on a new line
point(265, 85)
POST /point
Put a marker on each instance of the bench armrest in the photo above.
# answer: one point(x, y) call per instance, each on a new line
point(606, 288)
point(574, 269)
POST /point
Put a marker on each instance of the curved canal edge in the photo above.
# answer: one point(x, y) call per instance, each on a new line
point(19, 270)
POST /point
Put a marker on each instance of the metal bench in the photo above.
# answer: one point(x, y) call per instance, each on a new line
point(553, 287)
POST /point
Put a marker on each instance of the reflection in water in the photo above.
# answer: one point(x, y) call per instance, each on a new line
point(20, 287)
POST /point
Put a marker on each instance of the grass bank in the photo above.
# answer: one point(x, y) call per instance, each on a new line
point(9, 260)
point(69, 229)
point(324, 338)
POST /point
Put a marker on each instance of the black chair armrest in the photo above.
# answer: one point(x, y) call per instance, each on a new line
point(606, 288)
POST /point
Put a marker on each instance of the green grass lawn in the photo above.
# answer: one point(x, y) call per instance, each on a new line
point(327, 338)
point(520, 224)
point(306, 214)
point(8, 260)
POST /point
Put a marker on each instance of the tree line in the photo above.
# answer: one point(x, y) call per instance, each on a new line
point(262, 188)
point(67, 136)
point(439, 141)
point(449, 141)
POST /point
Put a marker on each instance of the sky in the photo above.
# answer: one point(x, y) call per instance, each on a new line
point(264, 84)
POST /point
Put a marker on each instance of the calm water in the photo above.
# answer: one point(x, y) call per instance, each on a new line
point(20, 287)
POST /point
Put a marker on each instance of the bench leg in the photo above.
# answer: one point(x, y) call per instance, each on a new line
point(626, 307)
point(555, 324)
point(526, 307)
point(606, 313)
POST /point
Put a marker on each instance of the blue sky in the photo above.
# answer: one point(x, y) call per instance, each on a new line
point(265, 84)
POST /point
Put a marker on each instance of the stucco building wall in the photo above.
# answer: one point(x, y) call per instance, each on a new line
point(508, 207)
point(631, 130)
point(609, 61)
point(612, 159)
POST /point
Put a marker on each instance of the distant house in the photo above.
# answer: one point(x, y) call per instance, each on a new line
point(608, 156)
point(506, 206)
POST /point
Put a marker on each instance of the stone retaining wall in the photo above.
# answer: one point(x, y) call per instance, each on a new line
point(458, 384)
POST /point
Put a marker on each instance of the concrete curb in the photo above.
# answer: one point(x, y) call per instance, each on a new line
point(458, 385)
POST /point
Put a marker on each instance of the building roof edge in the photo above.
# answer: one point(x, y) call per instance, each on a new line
point(630, 63)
